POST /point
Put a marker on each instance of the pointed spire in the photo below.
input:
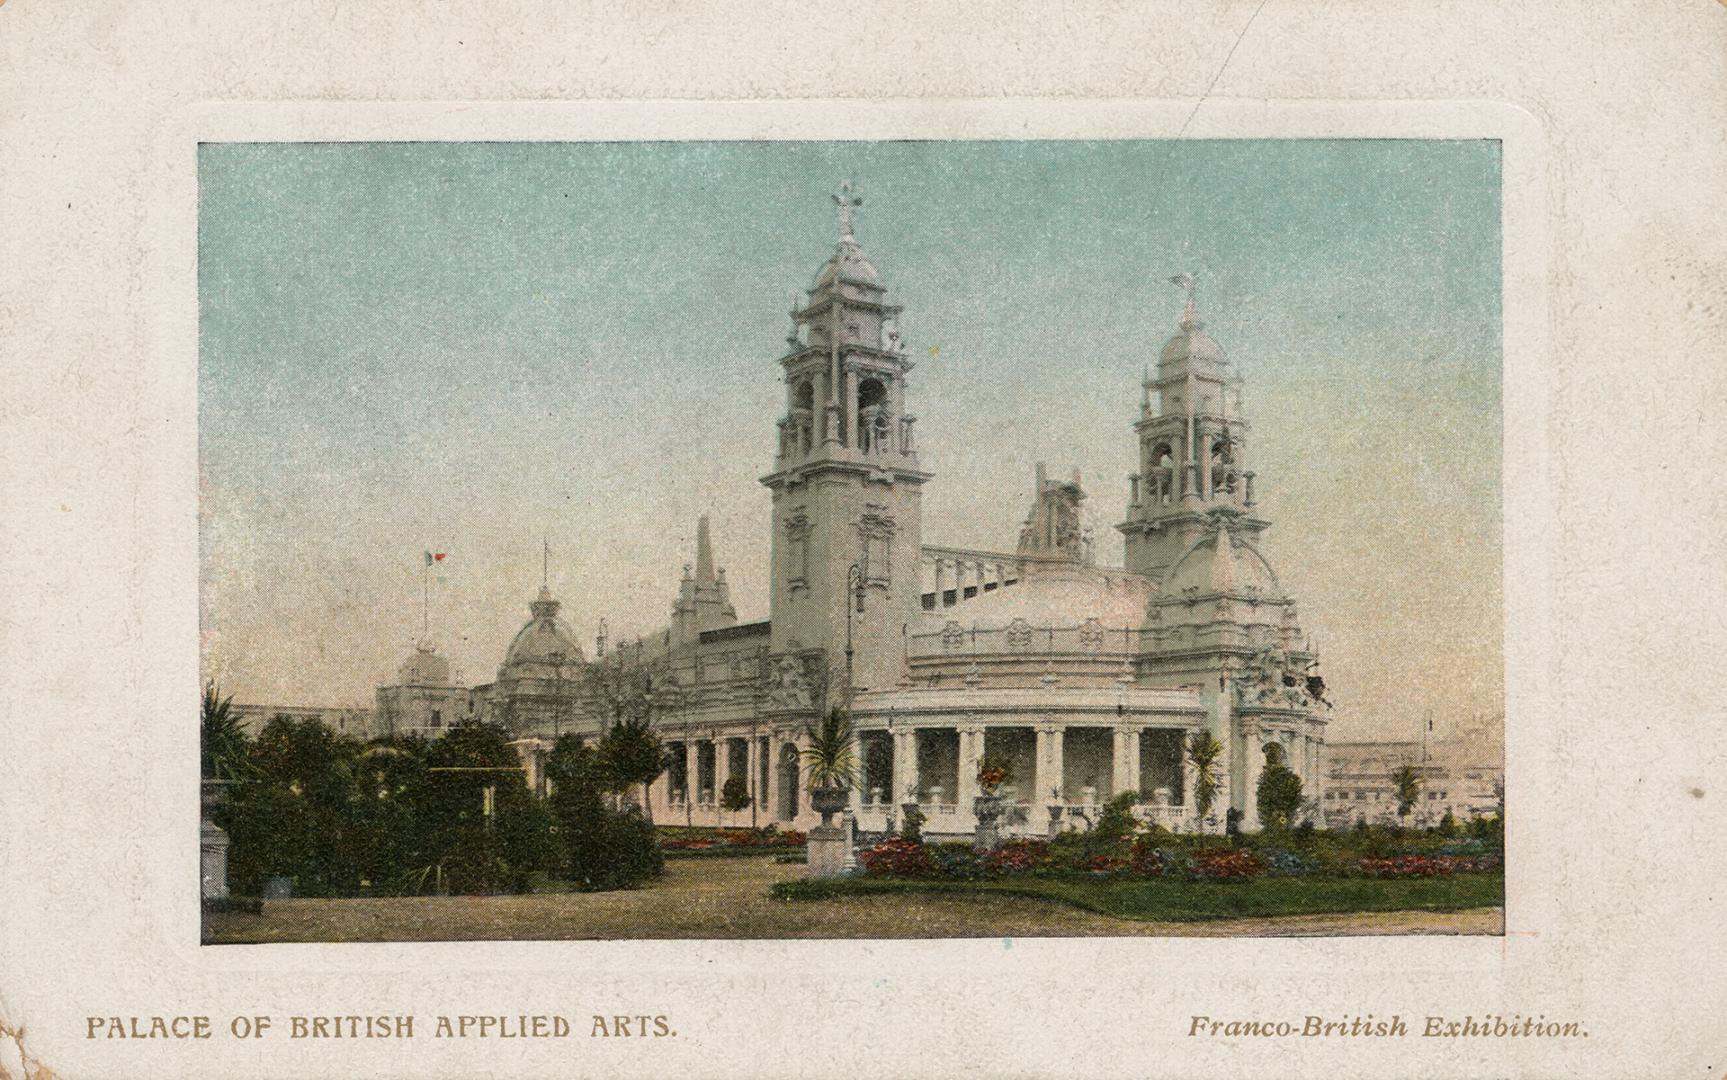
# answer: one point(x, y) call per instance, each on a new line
point(544, 607)
point(704, 555)
point(846, 201)
point(1189, 310)
point(1223, 563)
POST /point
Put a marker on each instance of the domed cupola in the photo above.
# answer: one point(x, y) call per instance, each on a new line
point(424, 667)
point(1191, 344)
point(848, 259)
point(545, 642)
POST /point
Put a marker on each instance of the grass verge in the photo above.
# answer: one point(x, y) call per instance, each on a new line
point(1192, 901)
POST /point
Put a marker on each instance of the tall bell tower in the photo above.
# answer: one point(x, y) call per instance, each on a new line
point(1192, 450)
point(846, 483)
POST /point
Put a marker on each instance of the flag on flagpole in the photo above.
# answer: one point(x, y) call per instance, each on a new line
point(432, 557)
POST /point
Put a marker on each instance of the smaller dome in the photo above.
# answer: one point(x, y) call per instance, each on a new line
point(1221, 563)
point(424, 667)
point(1192, 344)
point(848, 262)
point(546, 639)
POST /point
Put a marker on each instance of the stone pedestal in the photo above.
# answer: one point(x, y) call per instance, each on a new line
point(1055, 812)
point(987, 808)
point(213, 861)
point(826, 851)
point(212, 841)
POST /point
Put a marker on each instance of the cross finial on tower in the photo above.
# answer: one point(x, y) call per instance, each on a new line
point(845, 200)
point(1189, 311)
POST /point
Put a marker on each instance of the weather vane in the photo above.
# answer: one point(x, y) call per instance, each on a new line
point(845, 200)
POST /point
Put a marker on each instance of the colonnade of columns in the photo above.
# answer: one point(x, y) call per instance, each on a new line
point(704, 786)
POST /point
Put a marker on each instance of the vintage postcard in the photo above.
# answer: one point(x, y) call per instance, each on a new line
point(865, 539)
point(774, 588)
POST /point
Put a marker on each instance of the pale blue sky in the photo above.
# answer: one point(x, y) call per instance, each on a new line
point(470, 345)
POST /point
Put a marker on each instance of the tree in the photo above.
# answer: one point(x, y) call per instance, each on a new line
point(735, 795)
point(295, 818)
point(1406, 785)
point(394, 849)
point(603, 848)
point(1203, 750)
point(475, 783)
point(222, 741)
point(1279, 793)
point(618, 689)
point(633, 754)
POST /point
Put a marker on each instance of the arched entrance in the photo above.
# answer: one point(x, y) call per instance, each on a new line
point(788, 786)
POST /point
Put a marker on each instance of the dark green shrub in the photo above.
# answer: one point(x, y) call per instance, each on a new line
point(735, 794)
point(911, 827)
point(613, 850)
point(474, 863)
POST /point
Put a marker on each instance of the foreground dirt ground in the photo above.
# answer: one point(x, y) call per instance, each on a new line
point(728, 898)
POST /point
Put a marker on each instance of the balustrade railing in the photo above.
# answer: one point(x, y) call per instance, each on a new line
point(957, 639)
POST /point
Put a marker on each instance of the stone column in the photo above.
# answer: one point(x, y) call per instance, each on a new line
point(1128, 767)
point(752, 763)
point(1253, 739)
point(857, 790)
point(1189, 778)
point(1205, 461)
point(721, 753)
point(851, 407)
point(1049, 765)
point(904, 768)
point(940, 568)
point(692, 770)
point(970, 754)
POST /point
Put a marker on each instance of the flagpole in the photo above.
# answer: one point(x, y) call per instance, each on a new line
point(425, 602)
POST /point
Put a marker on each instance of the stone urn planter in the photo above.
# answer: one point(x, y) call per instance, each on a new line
point(987, 808)
point(1055, 812)
point(212, 841)
point(828, 801)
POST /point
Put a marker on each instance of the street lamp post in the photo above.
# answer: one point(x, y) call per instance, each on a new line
point(855, 589)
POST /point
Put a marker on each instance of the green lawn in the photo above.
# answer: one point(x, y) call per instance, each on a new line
point(1193, 901)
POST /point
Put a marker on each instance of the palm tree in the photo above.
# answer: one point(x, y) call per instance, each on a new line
point(1203, 750)
point(830, 757)
point(221, 739)
point(831, 762)
point(1406, 781)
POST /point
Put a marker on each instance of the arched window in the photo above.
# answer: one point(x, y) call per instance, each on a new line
point(872, 415)
point(1162, 472)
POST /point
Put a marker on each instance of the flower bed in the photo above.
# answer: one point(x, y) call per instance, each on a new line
point(733, 838)
point(1148, 856)
point(1408, 866)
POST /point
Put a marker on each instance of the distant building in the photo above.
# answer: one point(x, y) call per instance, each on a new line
point(355, 722)
point(1460, 775)
point(423, 700)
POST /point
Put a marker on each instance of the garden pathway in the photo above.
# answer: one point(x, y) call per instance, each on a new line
point(728, 898)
